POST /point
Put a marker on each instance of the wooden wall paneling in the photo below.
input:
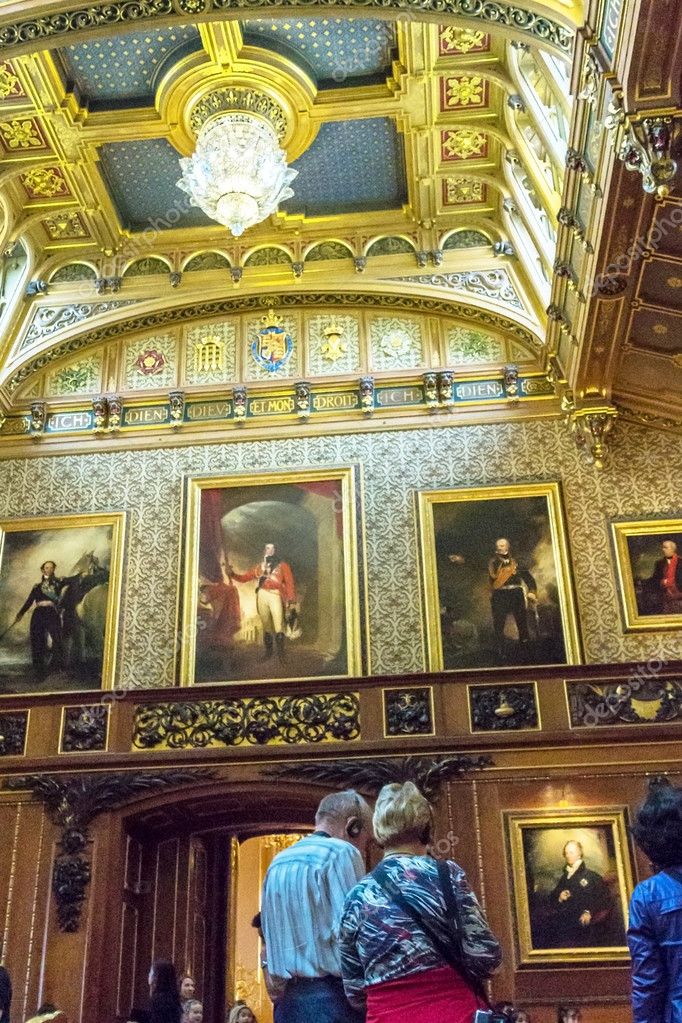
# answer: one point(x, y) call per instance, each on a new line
point(166, 882)
point(30, 908)
point(10, 819)
point(194, 957)
point(216, 950)
point(543, 987)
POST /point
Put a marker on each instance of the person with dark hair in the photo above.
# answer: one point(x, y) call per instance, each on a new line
point(503, 1008)
point(655, 928)
point(164, 994)
point(569, 1014)
point(187, 989)
point(5, 995)
point(520, 1016)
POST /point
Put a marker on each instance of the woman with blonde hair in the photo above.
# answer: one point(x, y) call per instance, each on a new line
point(414, 943)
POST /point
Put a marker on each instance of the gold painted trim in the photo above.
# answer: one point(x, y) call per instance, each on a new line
point(87, 752)
point(514, 822)
point(351, 494)
point(214, 432)
point(232, 921)
point(426, 499)
point(502, 685)
point(117, 522)
point(405, 689)
point(620, 531)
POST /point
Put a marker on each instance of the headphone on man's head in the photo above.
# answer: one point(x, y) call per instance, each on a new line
point(354, 825)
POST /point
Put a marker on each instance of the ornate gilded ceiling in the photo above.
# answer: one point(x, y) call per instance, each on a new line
point(431, 143)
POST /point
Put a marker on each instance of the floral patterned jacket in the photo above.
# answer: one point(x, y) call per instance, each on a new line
point(380, 942)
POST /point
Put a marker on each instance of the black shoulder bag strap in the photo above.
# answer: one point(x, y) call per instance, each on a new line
point(451, 956)
point(452, 909)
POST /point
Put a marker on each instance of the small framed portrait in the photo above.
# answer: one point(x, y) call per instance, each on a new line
point(273, 581)
point(649, 573)
point(571, 879)
point(60, 589)
point(496, 578)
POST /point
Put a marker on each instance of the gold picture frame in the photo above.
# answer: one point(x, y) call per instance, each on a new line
point(86, 598)
point(458, 530)
point(641, 569)
point(562, 920)
point(230, 631)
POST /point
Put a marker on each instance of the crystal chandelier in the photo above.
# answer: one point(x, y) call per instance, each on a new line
point(238, 174)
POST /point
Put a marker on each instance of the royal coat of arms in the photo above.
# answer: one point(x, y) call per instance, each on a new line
point(272, 346)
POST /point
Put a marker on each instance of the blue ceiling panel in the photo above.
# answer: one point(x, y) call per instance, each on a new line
point(126, 67)
point(352, 166)
point(337, 51)
point(141, 177)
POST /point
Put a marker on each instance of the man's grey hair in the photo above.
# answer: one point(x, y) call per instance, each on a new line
point(574, 841)
point(339, 806)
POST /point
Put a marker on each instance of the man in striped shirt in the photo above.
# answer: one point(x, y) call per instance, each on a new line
point(303, 896)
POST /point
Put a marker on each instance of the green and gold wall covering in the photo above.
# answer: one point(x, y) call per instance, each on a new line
point(395, 464)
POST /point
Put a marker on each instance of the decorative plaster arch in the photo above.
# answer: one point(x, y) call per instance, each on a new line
point(548, 23)
point(205, 252)
point(154, 315)
point(328, 241)
point(463, 230)
point(267, 245)
point(390, 234)
point(141, 259)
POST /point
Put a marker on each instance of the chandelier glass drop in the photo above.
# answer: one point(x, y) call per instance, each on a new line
point(238, 174)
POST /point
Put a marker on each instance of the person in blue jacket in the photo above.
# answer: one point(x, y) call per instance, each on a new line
point(655, 930)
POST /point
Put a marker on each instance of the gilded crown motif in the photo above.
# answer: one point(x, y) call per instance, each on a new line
point(270, 320)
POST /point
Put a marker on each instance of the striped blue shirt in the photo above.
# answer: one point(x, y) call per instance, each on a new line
point(303, 895)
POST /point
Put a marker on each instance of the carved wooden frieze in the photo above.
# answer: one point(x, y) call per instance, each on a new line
point(638, 701)
point(261, 721)
point(84, 729)
point(408, 711)
point(503, 708)
point(13, 733)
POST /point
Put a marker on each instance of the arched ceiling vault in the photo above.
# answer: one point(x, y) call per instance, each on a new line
point(36, 22)
point(495, 126)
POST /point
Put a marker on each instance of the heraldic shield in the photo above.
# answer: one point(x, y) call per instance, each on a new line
point(272, 346)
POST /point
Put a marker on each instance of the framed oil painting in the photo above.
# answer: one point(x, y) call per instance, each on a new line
point(496, 578)
point(571, 883)
point(60, 588)
point(649, 573)
point(272, 577)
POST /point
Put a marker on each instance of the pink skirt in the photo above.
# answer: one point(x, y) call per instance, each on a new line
point(432, 996)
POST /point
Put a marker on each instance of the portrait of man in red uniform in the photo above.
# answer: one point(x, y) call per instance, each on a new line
point(272, 591)
point(275, 596)
point(665, 584)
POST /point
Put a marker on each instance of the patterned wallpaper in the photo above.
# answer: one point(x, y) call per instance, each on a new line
point(147, 484)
